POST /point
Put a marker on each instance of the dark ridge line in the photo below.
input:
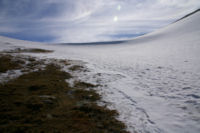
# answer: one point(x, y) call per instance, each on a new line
point(188, 15)
point(95, 43)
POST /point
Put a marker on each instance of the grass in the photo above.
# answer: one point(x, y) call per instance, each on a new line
point(36, 50)
point(30, 50)
point(7, 62)
point(42, 102)
point(76, 68)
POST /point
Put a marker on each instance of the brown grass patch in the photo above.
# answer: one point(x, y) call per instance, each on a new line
point(29, 50)
point(42, 102)
point(7, 62)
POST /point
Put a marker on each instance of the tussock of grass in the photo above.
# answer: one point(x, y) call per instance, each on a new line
point(36, 51)
point(7, 62)
point(80, 84)
point(42, 102)
point(76, 68)
point(65, 62)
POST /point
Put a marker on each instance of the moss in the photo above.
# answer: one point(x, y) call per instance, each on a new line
point(42, 102)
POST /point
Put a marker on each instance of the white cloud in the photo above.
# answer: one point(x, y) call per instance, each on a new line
point(91, 20)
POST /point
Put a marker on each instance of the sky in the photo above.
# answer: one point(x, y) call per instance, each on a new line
point(75, 21)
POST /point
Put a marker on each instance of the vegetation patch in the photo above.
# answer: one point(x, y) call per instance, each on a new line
point(30, 50)
point(42, 102)
point(76, 68)
point(7, 62)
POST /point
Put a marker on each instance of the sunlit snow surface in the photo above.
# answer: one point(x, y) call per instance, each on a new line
point(153, 80)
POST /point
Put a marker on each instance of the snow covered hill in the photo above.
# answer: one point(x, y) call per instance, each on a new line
point(153, 80)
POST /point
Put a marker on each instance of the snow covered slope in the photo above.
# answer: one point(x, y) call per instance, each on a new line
point(153, 80)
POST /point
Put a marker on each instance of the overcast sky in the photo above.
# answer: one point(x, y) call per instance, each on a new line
point(88, 20)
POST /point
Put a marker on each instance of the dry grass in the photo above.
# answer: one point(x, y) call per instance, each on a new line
point(42, 102)
point(7, 62)
point(30, 50)
point(76, 68)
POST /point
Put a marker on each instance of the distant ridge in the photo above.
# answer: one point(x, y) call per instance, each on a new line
point(188, 15)
point(95, 43)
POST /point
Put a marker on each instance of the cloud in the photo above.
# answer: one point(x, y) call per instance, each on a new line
point(88, 20)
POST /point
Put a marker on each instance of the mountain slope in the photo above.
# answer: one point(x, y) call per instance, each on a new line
point(188, 15)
